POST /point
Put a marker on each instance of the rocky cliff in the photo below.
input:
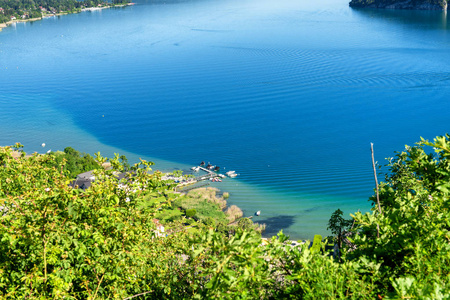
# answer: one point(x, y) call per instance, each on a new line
point(401, 4)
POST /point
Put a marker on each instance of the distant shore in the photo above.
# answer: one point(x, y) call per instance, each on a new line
point(4, 25)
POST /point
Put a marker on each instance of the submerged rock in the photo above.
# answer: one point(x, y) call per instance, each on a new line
point(401, 4)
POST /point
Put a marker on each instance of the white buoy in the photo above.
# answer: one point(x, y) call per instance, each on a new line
point(43, 145)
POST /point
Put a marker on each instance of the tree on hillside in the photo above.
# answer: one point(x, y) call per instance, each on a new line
point(413, 246)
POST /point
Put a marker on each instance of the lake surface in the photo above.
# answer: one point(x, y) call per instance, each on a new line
point(287, 93)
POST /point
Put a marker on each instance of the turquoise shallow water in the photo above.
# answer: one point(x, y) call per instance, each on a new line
point(287, 93)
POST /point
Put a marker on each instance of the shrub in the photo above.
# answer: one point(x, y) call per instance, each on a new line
point(233, 213)
point(190, 213)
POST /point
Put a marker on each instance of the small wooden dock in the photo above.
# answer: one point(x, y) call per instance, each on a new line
point(210, 174)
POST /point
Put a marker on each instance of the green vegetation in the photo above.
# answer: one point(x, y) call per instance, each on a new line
point(190, 213)
point(73, 162)
point(29, 9)
point(206, 205)
point(339, 226)
point(401, 4)
point(103, 243)
point(317, 244)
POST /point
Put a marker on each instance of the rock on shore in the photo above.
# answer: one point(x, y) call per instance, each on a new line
point(401, 4)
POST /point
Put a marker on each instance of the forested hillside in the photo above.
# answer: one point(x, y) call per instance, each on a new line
point(107, 243)
point(402, 4)
point(28, 9)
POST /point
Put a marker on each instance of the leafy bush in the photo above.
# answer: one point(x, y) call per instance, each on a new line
point(413, 228)
point(233, 213)
point(190, 213)
point(204, 209)
point(57, 242)
point(75, 162)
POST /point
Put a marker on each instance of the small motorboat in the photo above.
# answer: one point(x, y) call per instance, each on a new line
point(257, 213)
point(222, 176)
point(202, 163)
point(217, 168)
point(231, 174)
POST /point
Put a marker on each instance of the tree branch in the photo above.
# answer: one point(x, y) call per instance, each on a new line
point(137, 295)
point(376, 179)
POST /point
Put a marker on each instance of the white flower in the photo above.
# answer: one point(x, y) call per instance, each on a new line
point(47, 189)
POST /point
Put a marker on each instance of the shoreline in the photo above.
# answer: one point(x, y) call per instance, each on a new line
point(6, 24)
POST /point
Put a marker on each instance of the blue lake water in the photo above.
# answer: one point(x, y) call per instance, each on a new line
point(287, 93)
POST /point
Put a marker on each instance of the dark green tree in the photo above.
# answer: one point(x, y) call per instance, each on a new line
point(339, 226)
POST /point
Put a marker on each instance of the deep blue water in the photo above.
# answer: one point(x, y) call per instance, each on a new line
point(287, 93)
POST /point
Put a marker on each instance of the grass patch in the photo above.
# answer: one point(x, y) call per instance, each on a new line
point(204, 209)
point(169, 215)
point(208, 194)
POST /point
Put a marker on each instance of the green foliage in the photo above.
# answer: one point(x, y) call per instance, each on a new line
point(317, 244)
point(232, 268)
point(168, 215)
point(190, 213)
point(72, 162)
point(245, 224)
point(435, 4)
point(338, 226)
point(204, 209)
point(413, 243)
point(312, 275)
point(57, 242)
point(27, 9)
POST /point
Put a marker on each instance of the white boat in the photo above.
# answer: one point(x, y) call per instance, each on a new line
point(232, 174)
point(222, 176)
point(258, 213)
point(229, 173)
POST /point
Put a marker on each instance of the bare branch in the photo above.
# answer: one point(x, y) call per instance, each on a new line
point(376, 179)
point(137, 295)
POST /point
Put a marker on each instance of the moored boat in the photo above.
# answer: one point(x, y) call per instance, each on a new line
point(231, 174)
